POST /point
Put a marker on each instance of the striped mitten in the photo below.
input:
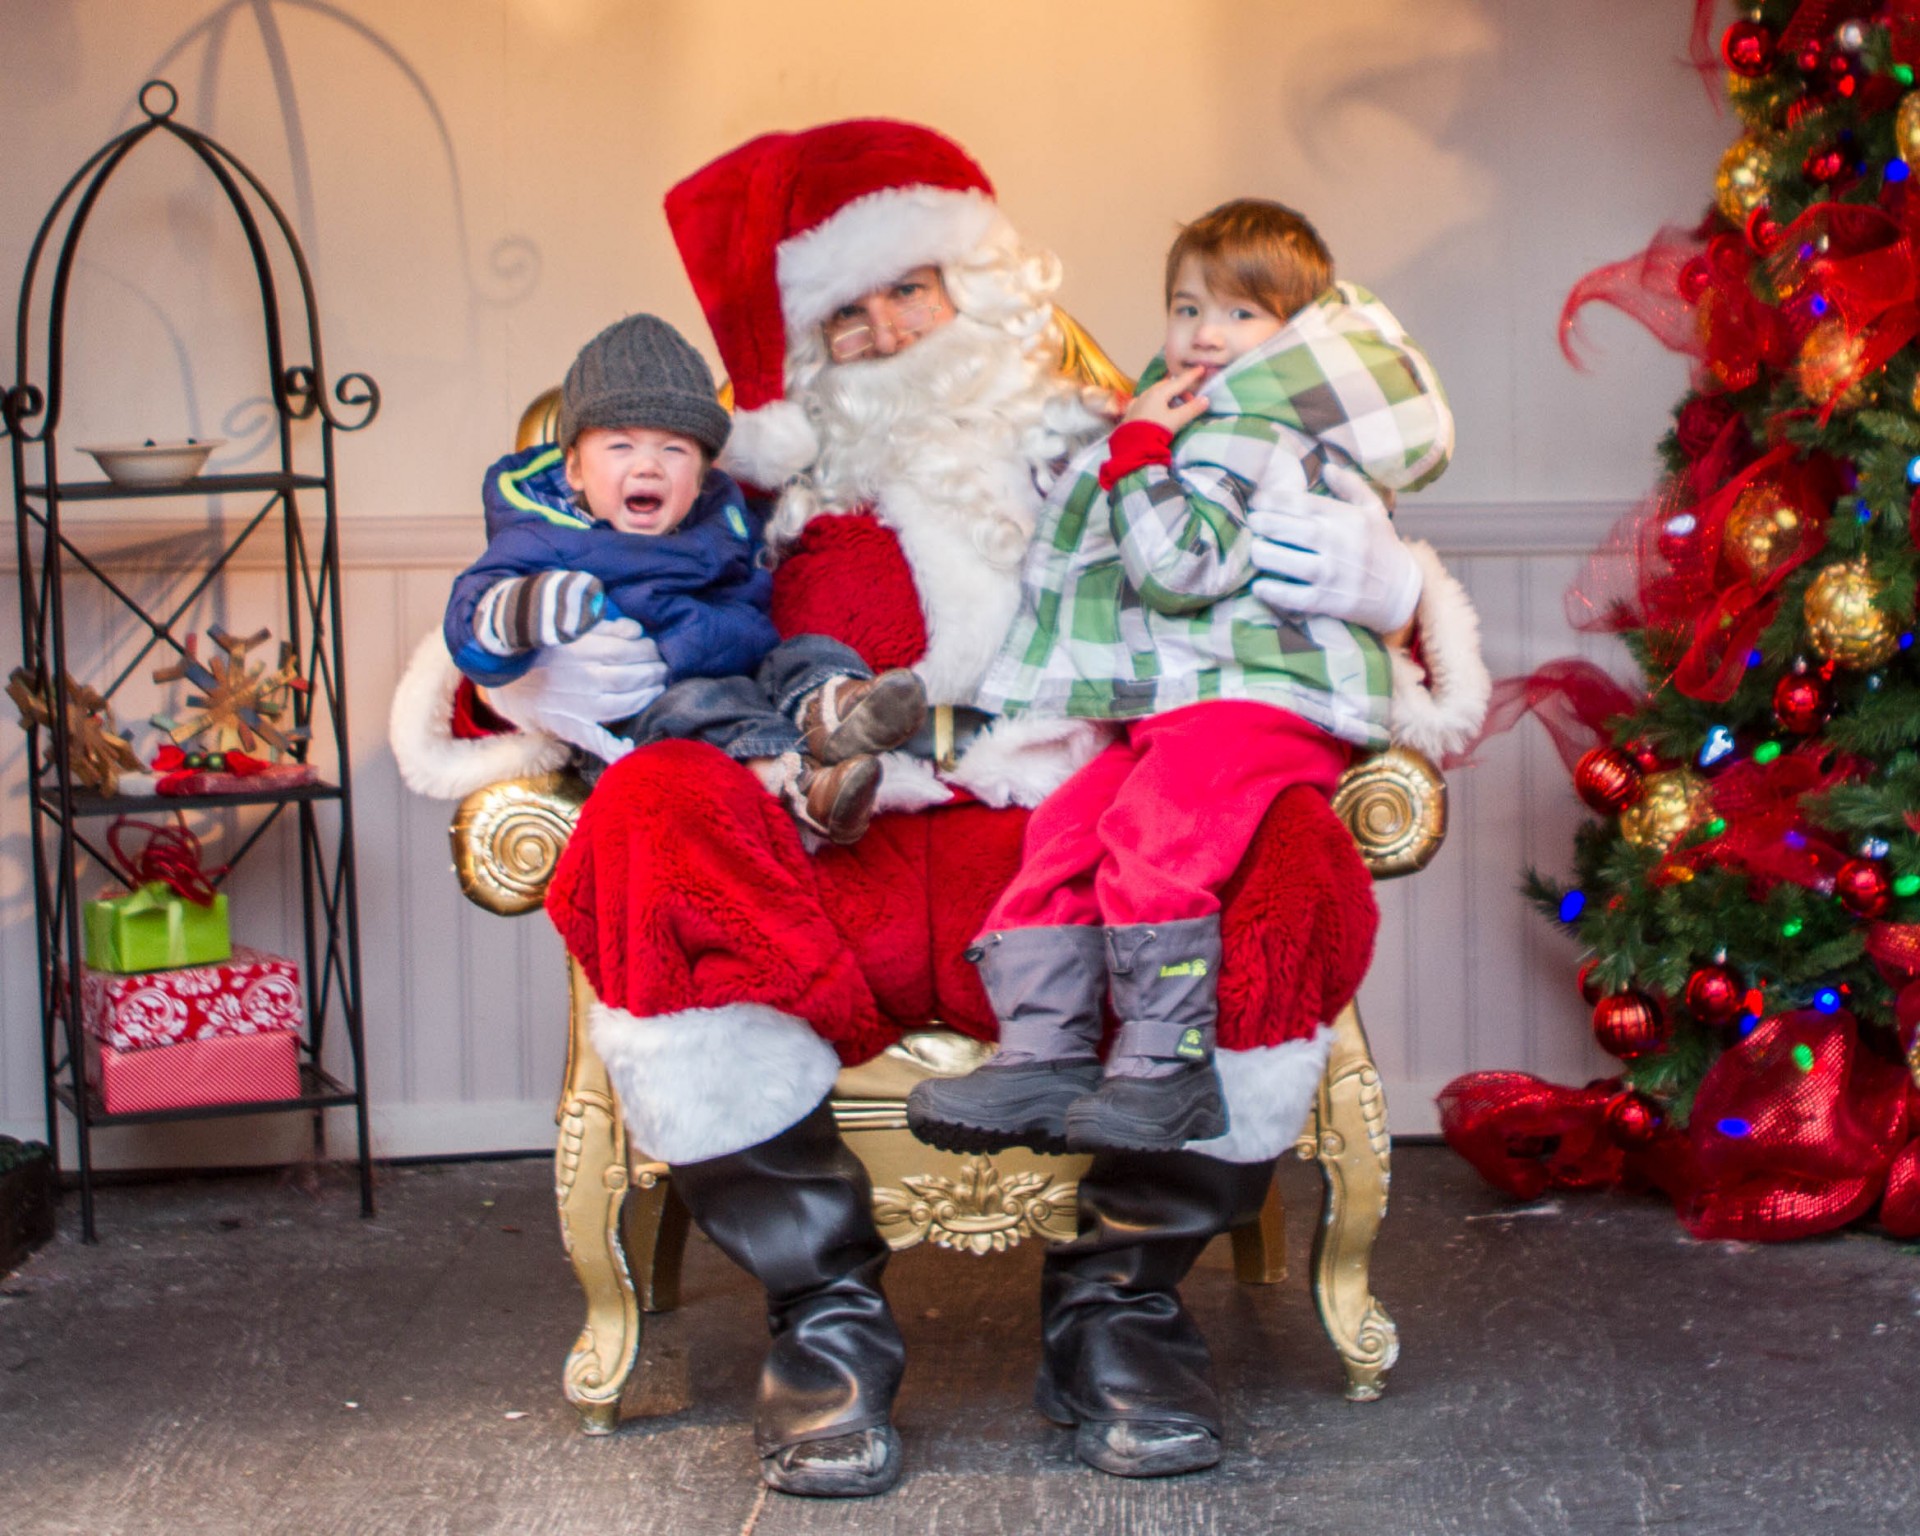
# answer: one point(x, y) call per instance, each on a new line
point(524, 613)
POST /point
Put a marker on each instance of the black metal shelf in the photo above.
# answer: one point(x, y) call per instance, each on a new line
point(87, 802)
point(304, 534)
point(318, 1090)
point(200, 485)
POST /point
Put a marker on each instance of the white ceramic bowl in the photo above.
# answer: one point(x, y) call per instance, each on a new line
point(152, 463)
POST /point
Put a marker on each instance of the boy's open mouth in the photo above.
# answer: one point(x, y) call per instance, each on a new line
point(644, 504)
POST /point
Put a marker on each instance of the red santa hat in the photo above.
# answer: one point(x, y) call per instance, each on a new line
point(779, 233)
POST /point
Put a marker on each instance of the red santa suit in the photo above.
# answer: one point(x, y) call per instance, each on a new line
point(736, 969)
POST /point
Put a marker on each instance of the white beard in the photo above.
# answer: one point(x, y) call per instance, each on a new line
point(950, 442)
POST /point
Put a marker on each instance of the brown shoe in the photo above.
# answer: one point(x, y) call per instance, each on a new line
point(847, 716)
point(835, 801)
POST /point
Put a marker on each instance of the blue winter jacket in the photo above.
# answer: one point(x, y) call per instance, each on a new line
point(700, 592)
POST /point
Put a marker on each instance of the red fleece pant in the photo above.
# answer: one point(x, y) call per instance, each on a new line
point(1153, 828)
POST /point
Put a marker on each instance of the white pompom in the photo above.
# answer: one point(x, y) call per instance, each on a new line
point(771, 445)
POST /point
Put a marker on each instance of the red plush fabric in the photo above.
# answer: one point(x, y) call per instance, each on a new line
point(848, 579)
point(685, 884)
point(1298, 926)
point(472, 719)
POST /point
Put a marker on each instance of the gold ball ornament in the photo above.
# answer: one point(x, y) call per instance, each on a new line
point(1828, 370)
point(1763, 531)
point(1843, 623)
point(1740, 185)
point(1906, 126)
point(1669, 803)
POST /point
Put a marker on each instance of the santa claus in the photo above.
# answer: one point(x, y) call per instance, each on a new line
point(895, 360)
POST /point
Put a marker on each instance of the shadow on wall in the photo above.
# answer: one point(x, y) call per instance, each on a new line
point(1375, 98)
point(512, 269)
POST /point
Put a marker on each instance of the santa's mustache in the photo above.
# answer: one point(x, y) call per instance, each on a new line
point(961, 368)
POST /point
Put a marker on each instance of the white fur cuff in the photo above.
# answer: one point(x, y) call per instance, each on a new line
point(1020, 760)
point(1269, 1091)
point(1439, 707)
point(436, 763)
point(771, 445)
point(709, 1081)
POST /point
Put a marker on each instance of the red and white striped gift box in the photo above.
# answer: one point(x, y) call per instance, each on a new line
point(222, 1069)
point(250, 993)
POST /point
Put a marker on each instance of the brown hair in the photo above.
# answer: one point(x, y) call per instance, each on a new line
point(1253, 249)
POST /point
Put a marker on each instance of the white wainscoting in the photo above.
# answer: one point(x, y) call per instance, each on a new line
point(465, 1011)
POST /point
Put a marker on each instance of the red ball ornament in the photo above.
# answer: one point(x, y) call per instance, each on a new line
point(1633, 1119)
point(1825, 162)
point(1589, 982)
point(1715, 995)
point(1800, 703)
point(1863, 887)
point(1629, 1024)
point(1694, 280)
point(1763, 230)
point(1607, 779)
point(1747, 46)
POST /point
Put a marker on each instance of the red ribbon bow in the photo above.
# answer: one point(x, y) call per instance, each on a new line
point(171, 855)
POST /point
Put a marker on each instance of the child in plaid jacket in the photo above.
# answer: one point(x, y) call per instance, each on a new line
point(1140, 605)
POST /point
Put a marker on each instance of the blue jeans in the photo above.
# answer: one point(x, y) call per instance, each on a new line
point(747, 717)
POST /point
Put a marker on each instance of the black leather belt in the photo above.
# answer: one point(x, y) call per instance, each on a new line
point(949, 730)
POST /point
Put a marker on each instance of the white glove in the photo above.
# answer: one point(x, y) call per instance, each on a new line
point(1333, 554)
point(611, 672)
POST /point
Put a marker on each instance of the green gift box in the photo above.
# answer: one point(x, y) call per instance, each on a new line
point(155, 929)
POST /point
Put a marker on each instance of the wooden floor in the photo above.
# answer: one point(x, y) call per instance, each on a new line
point(246, 1355)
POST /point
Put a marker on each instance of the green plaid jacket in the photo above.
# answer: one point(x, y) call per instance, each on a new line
point(1141, 602)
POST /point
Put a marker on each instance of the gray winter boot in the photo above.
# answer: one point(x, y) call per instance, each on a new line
point(1045, 985)
point(1160, 1090)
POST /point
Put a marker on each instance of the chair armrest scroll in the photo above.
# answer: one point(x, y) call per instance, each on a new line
point(1395, 804)
point(507, 839)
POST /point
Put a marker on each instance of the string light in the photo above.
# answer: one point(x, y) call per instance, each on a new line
point(1896, 170)
point(1572, 905)
point(1766, 752)
point(1803, 1056)
point(1792, 926)
point(1826, 1000)
point(1733, 1125)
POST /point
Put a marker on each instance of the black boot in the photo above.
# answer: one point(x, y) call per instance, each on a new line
point(1046, 986)
point(796, 1213)
point(1160, 1090)
point(1122, 1358)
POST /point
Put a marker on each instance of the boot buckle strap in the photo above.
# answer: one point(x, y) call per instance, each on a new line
point(1164, 1040)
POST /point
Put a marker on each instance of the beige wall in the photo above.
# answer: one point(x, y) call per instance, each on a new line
point(478, 185)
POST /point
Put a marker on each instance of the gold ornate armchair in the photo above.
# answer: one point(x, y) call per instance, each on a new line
point(625, 1231)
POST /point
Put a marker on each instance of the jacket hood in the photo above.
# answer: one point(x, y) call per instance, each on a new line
point(1344, 372)
point(531, 484)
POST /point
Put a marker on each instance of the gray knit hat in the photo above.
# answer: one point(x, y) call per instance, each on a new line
point(641, 372)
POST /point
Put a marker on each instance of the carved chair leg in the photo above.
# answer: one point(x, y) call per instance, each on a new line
point(590, 1183)
point(1260, 1247)
point(1353, 1150)
point(656, 1230)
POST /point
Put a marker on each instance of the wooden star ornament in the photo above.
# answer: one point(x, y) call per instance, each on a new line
point(97, 753)
point(239, 707)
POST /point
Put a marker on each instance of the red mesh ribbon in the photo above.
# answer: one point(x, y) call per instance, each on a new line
point(1794, 1131)
point(170, 855)
point(1526, 1136)
point(1900, 1206)
point(1573, 699)
point(1645, 287)
point(1721, 635)
point(1741, 333)
point(1768, 835)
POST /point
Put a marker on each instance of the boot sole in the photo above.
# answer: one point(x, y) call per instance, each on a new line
point(1099, 1129)
point(1036, 1121)
point(1189, 1453)
point(837, 1482)
point(886, 718)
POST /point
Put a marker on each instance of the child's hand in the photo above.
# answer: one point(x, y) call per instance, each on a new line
point(1171, 403)
point(526, 613)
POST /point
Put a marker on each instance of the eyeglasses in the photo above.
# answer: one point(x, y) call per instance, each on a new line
point(853, 338)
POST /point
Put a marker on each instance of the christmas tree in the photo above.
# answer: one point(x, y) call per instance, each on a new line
point(1750, 894)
